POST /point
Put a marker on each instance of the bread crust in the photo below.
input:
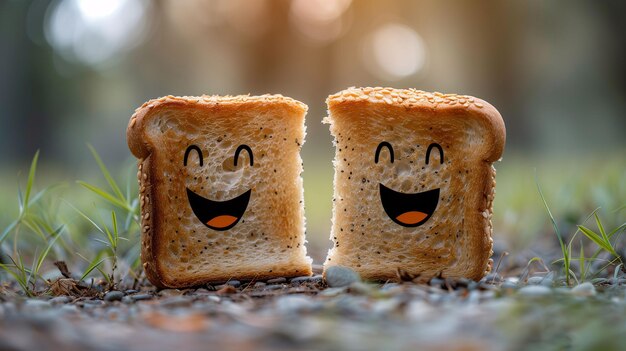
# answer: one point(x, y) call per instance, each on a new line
point(358, 105)
point(142, 149)
point(432, 104)
point(135, 132)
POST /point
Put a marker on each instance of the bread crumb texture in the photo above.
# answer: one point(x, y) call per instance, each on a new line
point(268, 241)
point(455, 240)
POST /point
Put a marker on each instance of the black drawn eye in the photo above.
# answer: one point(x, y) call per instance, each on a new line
point(188, 151)
point(380, 146)
point(430, 148)
point(247, 148)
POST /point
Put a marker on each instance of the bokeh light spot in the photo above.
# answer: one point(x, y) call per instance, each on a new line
point(319, 20)
point(93, 32)
point(394, 51)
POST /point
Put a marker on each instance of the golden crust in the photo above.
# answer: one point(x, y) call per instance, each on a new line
point(134, 131)
point(434, 104)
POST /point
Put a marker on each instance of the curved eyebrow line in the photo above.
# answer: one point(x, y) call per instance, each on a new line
point(380, 146)
point(430, 147)
point(188, 151)
point(247, 148)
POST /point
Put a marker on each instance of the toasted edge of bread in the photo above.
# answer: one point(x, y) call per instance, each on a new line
point(431, 103)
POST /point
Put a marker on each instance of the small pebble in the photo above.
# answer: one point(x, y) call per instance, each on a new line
point(127, 299)
point(360, 288)
point(534, 290)
point(60, 300)
point(584, 289)
point(508, 285)
point(316, 278)
point(274, 287)
point(339, 276)
point(202, 291)
point(601, 281)
point(113, 296)
point(300, 280)
point(176, 301)
point(141, 297)
point(333, 291)
point(93, 302)
point(493, 278)
point(234, 283)
point(436, 282)
point(68, 309)
point(131, 291)
point(280, 280)
point(171, 292)
point(548, 280)
point(389, 286)
point(292, 303)
point(535, 280)
point(36, 304)
point(259, 285)
point(213, 298)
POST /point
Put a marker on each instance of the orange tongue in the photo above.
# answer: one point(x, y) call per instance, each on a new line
point(411, 217)
point(221, 221)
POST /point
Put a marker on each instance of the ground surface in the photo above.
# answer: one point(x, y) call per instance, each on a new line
point(304, 313)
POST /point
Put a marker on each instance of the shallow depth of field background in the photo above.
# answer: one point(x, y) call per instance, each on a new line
point(73, 71)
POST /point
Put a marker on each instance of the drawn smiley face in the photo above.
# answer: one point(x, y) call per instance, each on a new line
point(218, 215)
point(408, 210)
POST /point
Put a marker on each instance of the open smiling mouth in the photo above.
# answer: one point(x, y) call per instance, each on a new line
point(219, 215)
point(409, 210)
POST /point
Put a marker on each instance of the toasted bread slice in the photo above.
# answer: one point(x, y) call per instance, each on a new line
point(414, 182)
point(220, 188)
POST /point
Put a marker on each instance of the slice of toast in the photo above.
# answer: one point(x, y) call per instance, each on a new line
point(414, 182)
point(220, 188)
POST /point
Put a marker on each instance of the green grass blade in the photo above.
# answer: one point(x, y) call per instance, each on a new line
point(581, 261)
point(31, 179)
point(31, 224)
point(86, 217)
point(107, 175)
point(32, 269)
point(597, 239)
point(20, 199)
point(564, 251)
point(103, 242)
point(610, 235)
point(116, 234)
point(8, 230)
point(107, 231)
point(23, 284)
point(93, 265)
point(601, 228)
point(105, 195)
point(56, 235)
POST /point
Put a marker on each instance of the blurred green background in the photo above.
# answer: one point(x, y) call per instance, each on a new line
point(72, 72)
